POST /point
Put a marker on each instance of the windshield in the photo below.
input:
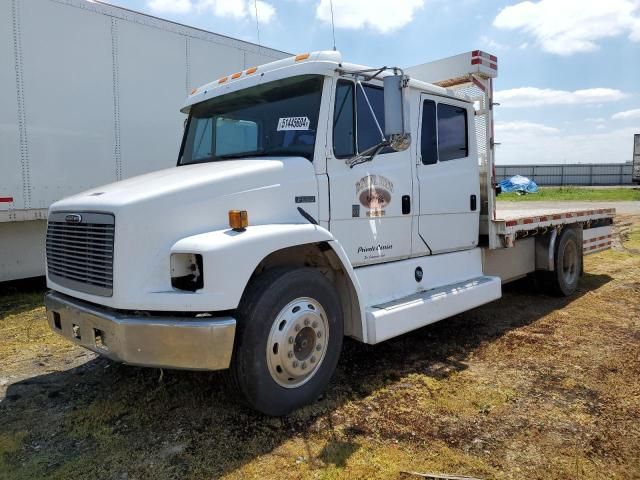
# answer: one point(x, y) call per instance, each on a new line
point(276, 118)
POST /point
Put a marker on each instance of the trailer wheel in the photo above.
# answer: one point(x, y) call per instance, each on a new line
point(563, 281)
point(288, 340)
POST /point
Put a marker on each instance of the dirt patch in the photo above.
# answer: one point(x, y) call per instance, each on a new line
point(529, 386)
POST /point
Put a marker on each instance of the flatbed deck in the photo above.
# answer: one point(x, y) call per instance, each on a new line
point(513, 221)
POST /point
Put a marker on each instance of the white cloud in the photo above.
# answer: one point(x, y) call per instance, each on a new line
point(565, 27)
point(235, 9)
point(594, 146)
point(535, 97)
point(382, 15)
point(170, 6)
point(528, 128)
point(627, 115)
point(238, 9)
point(490, 44)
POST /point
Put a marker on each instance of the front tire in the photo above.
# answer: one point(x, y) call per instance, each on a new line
point(288, 340)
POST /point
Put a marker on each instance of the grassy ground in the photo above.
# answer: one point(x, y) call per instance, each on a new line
point(576, 193)
point(528, 387)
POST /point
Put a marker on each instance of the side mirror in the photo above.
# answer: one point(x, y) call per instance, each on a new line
point(395, 128)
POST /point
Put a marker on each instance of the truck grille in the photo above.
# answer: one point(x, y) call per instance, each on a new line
point(80, 251)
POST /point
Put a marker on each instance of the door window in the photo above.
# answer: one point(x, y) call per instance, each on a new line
point(452, 132)
point(354, 129)
point(444, 133)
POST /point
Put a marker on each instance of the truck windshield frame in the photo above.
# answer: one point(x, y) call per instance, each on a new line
point(277, 118)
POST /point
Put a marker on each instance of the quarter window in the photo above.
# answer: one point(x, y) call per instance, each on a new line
point(428, 135)
point(344, 121)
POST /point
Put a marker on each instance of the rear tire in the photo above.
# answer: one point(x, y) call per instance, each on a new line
point(288, 340)
point(563, 281)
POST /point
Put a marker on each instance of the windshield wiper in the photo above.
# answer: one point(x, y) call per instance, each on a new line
point(256, 153)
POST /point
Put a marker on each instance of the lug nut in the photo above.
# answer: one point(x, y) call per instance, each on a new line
point(304, 365)
point(313, 359)
point(290, 354)
point(318, 347)
point(314, 324)
point(297, 328)
point(290, 339)
point(306, 322)
point(319, 334)
point(295, 364)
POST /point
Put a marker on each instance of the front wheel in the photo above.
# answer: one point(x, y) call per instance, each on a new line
point(288, 340)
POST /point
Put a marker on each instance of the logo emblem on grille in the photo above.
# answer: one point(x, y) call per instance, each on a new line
point(73, 218)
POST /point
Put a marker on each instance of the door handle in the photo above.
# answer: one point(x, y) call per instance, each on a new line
point(473, 203)
point(406, 204)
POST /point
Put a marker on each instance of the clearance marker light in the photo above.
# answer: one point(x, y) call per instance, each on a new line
point(251, 70)
point(302, 56)
point(193, 91)
point(236, 75)
point(222, 80)
point(238, 220)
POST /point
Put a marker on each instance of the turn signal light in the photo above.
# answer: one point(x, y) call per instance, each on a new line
point(238, 220)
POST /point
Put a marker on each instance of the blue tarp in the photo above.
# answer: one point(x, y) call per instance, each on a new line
point(518, 184)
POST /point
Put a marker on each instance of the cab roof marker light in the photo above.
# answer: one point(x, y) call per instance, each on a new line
point(302, 56)
point(193, 91)
point(222, 80)
point(251, 70)
point(236, 75)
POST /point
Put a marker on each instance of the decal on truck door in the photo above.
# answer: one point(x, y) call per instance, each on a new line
point(374, 193)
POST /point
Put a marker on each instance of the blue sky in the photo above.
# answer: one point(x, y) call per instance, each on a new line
point(569, 70)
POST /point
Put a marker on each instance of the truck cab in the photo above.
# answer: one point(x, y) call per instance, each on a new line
point(312, 199)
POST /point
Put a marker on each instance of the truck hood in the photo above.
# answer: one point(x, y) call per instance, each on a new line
point(153, 211)
point(184, 183)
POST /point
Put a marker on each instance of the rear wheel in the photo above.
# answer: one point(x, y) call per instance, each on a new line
point(288, 340)
point(563, 281)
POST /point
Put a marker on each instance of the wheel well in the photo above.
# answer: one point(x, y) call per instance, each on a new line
point(322, 257)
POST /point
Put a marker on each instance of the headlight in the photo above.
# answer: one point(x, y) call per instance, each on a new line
point(186, 271)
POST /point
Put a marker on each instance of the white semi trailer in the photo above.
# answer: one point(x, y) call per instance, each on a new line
point(312, 199)
point(90, 94)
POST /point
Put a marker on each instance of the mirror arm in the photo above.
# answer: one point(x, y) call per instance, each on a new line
point(363, 158)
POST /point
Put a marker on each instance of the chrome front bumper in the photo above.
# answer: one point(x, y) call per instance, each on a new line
point(168, 342)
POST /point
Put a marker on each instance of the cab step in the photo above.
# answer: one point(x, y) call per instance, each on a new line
point(394, 318)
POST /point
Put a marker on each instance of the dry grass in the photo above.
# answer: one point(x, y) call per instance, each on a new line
point(527, 387)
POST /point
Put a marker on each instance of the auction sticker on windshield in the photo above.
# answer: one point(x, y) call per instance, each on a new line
point(293, 123)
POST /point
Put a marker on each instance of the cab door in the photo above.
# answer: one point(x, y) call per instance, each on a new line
point(448, 176)
point(370, 203)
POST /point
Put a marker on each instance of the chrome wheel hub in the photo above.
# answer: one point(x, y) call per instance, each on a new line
point(297, 342)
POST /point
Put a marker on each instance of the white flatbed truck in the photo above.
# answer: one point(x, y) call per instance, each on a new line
point(312, 199)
